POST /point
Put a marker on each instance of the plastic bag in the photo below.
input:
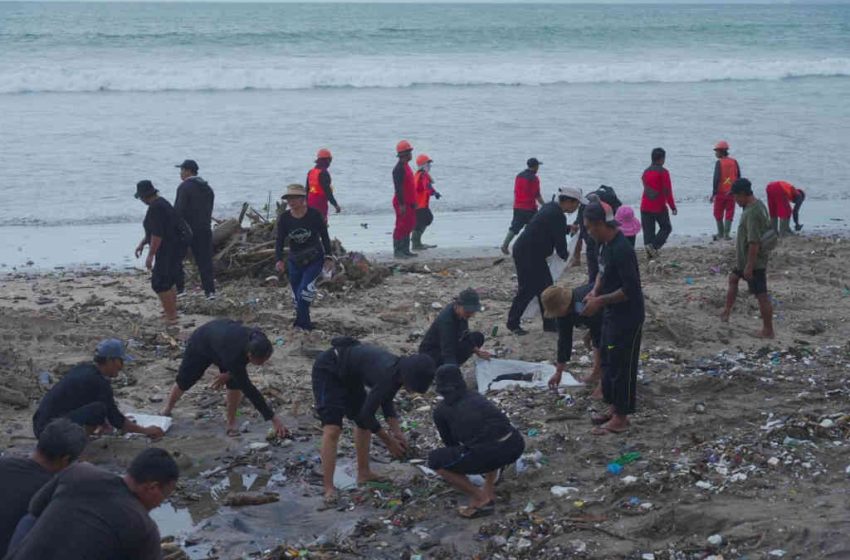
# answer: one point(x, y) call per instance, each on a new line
point(495, 375)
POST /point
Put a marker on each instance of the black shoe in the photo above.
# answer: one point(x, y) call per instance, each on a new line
point(519, 331)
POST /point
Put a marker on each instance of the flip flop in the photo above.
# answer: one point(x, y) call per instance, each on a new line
point(604, 431)
point(233, 432)
point(599, 419)
point(473, 513)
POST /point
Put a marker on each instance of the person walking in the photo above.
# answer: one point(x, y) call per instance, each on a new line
point(320, 191)
point(726, 172)
point(404, 201)
point(751, 255)
point(545, 233)
point(619, 297)
point(424, 191)
point(527, 198)
point(304, 231)
point(654, 203)
point(780, 196)
point(194, 204)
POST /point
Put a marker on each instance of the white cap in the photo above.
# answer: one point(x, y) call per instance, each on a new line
point(572, 192)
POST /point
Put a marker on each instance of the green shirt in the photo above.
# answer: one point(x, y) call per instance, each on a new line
point(754, 224)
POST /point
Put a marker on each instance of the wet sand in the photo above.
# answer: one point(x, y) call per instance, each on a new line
point(739, 437)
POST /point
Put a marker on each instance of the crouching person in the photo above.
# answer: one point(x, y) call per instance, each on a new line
point(479, 439)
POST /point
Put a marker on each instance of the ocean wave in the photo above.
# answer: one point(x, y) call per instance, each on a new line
point(397, 72)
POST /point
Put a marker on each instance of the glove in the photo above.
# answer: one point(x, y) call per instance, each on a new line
point(437, 195)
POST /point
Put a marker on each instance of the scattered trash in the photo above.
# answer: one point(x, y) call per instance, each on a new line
point(562, 491)
point(715, 540)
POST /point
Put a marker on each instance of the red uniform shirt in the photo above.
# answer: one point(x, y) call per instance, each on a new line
point(657, 190)
point(526, 190)
point(423, 189)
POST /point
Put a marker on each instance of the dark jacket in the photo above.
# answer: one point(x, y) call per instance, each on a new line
point(441, 340)
point(465, 417)
point(82, 385)
point(194, 203)
point(545, 233)
point(372, 367)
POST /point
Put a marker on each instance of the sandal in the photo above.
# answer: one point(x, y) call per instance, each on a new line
point(605, 430)
point(468, 512)
point(233, 432)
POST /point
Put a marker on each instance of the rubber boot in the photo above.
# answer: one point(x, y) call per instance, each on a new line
point(785, 227)
point(727, 230)
point(719, 235)
point(506, 243)
point(397, 251)
point(422, 246)
point(417, 240)
point(405, 247)
point(774, 224)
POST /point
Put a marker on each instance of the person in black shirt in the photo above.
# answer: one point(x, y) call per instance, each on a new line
point(479, 439)
point(545, 233)
point(618, 292)
point(230, 346)
point(166, 248)
point(59, 445)
point(84, 395)
point(86, 513)
point(565, 306)
point(194, 204)
point(448, 340)
point(304, 230)
point(341, 377)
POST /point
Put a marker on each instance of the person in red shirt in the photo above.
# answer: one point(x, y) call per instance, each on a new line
point(526, 200)
point(780, 195)
point(424, 190)
point(404, 201)
point(726, 172)
point(319, 189)
point(657, 197)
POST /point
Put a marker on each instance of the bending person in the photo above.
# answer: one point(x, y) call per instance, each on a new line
point(341, 377)
point(479, 439)
point(780, 196)
point(448, 340)
point(230, 346)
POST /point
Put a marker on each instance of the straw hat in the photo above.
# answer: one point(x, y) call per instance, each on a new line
point(295, 190)
point(556, 301)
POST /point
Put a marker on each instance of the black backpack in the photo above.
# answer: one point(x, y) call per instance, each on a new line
point(607, 195)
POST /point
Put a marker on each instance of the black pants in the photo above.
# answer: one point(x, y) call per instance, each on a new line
point(479, 459)
point(424, 218)
point(193, 366)
point(521, 219)
point(620, 357)
point(90, 415)
point(465, 346)
point(202, 252)
point(533, 276)
point(592, 259)
point(648, 221)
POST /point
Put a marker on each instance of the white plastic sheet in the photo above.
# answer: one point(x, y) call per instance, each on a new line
point(487, 371)
point(148, 420)
point(557, 267)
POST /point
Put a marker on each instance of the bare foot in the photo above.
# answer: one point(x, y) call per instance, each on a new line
point(369, 476)
point(165, 412)
point(330, 496)
point(724, 317)
point(765, 334)
point(233, 430)
point(597, 393)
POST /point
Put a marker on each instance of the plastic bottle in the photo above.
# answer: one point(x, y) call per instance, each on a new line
point(627, 458)
point(615, 468)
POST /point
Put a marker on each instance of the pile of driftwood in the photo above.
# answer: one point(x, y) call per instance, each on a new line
point(249, 252)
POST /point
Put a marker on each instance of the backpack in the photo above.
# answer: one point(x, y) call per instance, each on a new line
point(607, 195)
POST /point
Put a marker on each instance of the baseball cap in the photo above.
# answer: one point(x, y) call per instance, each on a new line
point(189, 164)
point(533, 162)
point(742, 186)
point(572, 192)
point(469, 300)
point(112, 348)
point(598, 211)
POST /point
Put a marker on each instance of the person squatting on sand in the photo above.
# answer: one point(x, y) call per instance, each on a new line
point(448, 339)
point(618, 295)
point(780, 196)
point(230, 346)
point(305, 232)
point(84, 396)
point(566, 307)
point(404, 201)
point(752, 257)
point(194, 204)
point(60, 444)
point(545, 233)
point(166, 238)
point(341, 377)
point(726, 172)
point(424, 191)
point(86, 513)
point(478, 439)
point(320, 191)
point(527, 199)
point(654, 203)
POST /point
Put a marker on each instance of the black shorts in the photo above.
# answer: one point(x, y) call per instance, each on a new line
point(192, 369)
point(335, 399)
point(478, 460)
point(166, 268)
point(521, 219)
point(758, 284)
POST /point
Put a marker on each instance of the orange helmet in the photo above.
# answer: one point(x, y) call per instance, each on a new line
point(722, 145)
point(403, 146)
point(324, 153)
point(422, 159)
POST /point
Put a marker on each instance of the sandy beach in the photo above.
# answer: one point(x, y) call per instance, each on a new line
point(738, 437)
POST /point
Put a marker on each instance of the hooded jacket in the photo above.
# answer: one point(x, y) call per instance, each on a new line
point(465, 417)
point(194, 203)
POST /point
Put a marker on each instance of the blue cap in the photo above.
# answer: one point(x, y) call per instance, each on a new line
point(111, 348)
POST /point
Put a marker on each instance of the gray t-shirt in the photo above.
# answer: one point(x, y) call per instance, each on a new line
point(86, 513)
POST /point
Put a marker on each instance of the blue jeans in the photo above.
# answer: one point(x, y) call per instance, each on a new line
point(303, 283)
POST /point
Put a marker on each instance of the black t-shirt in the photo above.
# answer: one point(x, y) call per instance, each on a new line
point(82, 385)
point(618, 267)
point(20, 479)
point(441, 340)
point(302, 235)
point(85, 513)
point(161, 221)
point(376, 369)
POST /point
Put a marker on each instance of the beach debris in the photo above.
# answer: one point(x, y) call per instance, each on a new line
point(240, 499)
